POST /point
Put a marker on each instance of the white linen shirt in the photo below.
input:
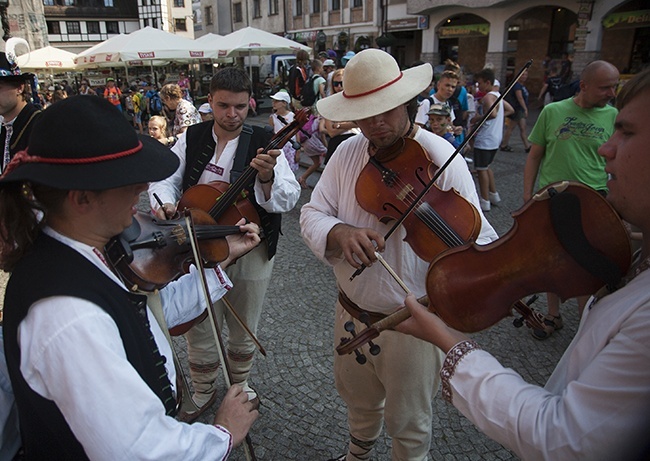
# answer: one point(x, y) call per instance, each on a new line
point(72, 353)
point(285, 190)
point(596, 404)
point(333, 201)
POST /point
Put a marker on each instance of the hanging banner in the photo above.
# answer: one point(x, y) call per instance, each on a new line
point(626, 20)
point(468, 30)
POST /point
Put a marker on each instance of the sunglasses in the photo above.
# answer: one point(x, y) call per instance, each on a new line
point(337, 83)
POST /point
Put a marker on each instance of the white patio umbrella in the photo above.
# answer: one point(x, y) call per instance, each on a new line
point(47, 58)
point(145, 45)
point(249, 41)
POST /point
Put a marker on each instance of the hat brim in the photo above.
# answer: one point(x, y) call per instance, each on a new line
point(339, 108)
point(154, 162)
point(17, 78)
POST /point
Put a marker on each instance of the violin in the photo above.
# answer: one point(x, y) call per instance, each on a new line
point(567, 240)
point(393, 179)
point(227, 203)
point(151, 253)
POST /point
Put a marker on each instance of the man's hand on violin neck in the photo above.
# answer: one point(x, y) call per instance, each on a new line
point(264, 164)
point(358, 245)
point(166, 211)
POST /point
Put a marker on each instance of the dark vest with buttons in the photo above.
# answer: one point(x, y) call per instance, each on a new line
point(199, 152)
point(54, 269)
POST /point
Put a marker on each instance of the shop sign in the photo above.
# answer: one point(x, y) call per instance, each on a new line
point(308, 36)
point(628, 19)
point(135, 63)
point(468, 30)
point(53, 64)
point(97, 81)
point(412, 23)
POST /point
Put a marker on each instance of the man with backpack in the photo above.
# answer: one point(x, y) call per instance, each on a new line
point(154, 103)
point(297, 78)
point(314, 87)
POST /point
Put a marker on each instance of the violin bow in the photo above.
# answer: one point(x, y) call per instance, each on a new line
point(232, 309)
point(216, 330)
point(460, 148)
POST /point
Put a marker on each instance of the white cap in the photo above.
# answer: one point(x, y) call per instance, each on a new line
point(282, 96)
point(496, 82)
point(329, 62)
point(205, 108)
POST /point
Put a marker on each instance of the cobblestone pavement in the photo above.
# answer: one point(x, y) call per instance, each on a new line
point(302, 417)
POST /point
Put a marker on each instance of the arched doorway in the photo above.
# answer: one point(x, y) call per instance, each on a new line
point(539, 33)
point(464, 38)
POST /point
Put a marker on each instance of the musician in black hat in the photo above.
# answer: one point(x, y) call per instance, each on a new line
point(17, 114)
point(90, 366)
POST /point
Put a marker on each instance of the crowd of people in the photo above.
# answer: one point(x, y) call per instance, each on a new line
point(73, 173)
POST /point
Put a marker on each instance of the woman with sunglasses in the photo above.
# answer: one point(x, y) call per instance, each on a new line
point(337, 131)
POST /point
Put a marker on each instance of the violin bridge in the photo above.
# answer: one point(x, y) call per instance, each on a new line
point(405, 192)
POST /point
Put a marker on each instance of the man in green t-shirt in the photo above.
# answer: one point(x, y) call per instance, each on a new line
point(565, 142)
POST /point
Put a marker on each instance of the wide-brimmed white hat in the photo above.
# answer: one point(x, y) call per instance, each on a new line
point(373, 84)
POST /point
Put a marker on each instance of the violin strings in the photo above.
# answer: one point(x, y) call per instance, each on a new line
point(430, 217)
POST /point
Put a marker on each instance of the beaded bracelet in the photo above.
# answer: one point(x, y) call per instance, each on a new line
point(453, 358)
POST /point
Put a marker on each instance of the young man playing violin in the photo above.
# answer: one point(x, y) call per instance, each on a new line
point(210, 151)
point(596, 404)
point(397, 385)
point(90, 367)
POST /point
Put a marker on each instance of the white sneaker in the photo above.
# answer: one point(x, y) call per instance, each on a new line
point(485, 204)
point(495, 198)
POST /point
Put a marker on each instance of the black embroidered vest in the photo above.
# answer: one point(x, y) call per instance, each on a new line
point(53, 269)
point(200, 150)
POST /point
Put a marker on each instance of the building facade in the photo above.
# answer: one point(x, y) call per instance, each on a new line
point(503, 34)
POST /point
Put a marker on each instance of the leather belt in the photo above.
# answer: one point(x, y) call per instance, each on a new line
point(355, 311)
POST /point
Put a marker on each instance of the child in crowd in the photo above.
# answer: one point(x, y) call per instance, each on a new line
point(205, 111)
point(312, 145)
point(440, 123)
point(280, 117)
point(158, 129)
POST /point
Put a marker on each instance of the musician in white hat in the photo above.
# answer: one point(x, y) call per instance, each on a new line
point(396, 386)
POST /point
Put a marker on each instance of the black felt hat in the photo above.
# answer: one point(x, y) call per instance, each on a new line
point(85, 143)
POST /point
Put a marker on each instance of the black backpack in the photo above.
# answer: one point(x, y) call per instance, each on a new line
point(567, 91)
point(307, 94)
point(296, 81)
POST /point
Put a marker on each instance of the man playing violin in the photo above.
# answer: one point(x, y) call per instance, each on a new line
point(596, 404)
point(397, 385)
point(216, 151)
point(91, 368)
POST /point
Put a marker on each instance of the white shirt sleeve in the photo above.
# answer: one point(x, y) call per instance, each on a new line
point(596, 404)
point(183, 299)
point(169, 189)
point(72, 353)
point(285, 190)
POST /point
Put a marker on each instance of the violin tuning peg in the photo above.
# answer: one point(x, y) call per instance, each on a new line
point(518, 322)
point(365, 319)
point(374, 348)
point(361, 359)
point(349, 327)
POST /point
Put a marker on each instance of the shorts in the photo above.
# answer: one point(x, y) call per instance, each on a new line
point(137, 117)
point(518, 115)
point(483, 158)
